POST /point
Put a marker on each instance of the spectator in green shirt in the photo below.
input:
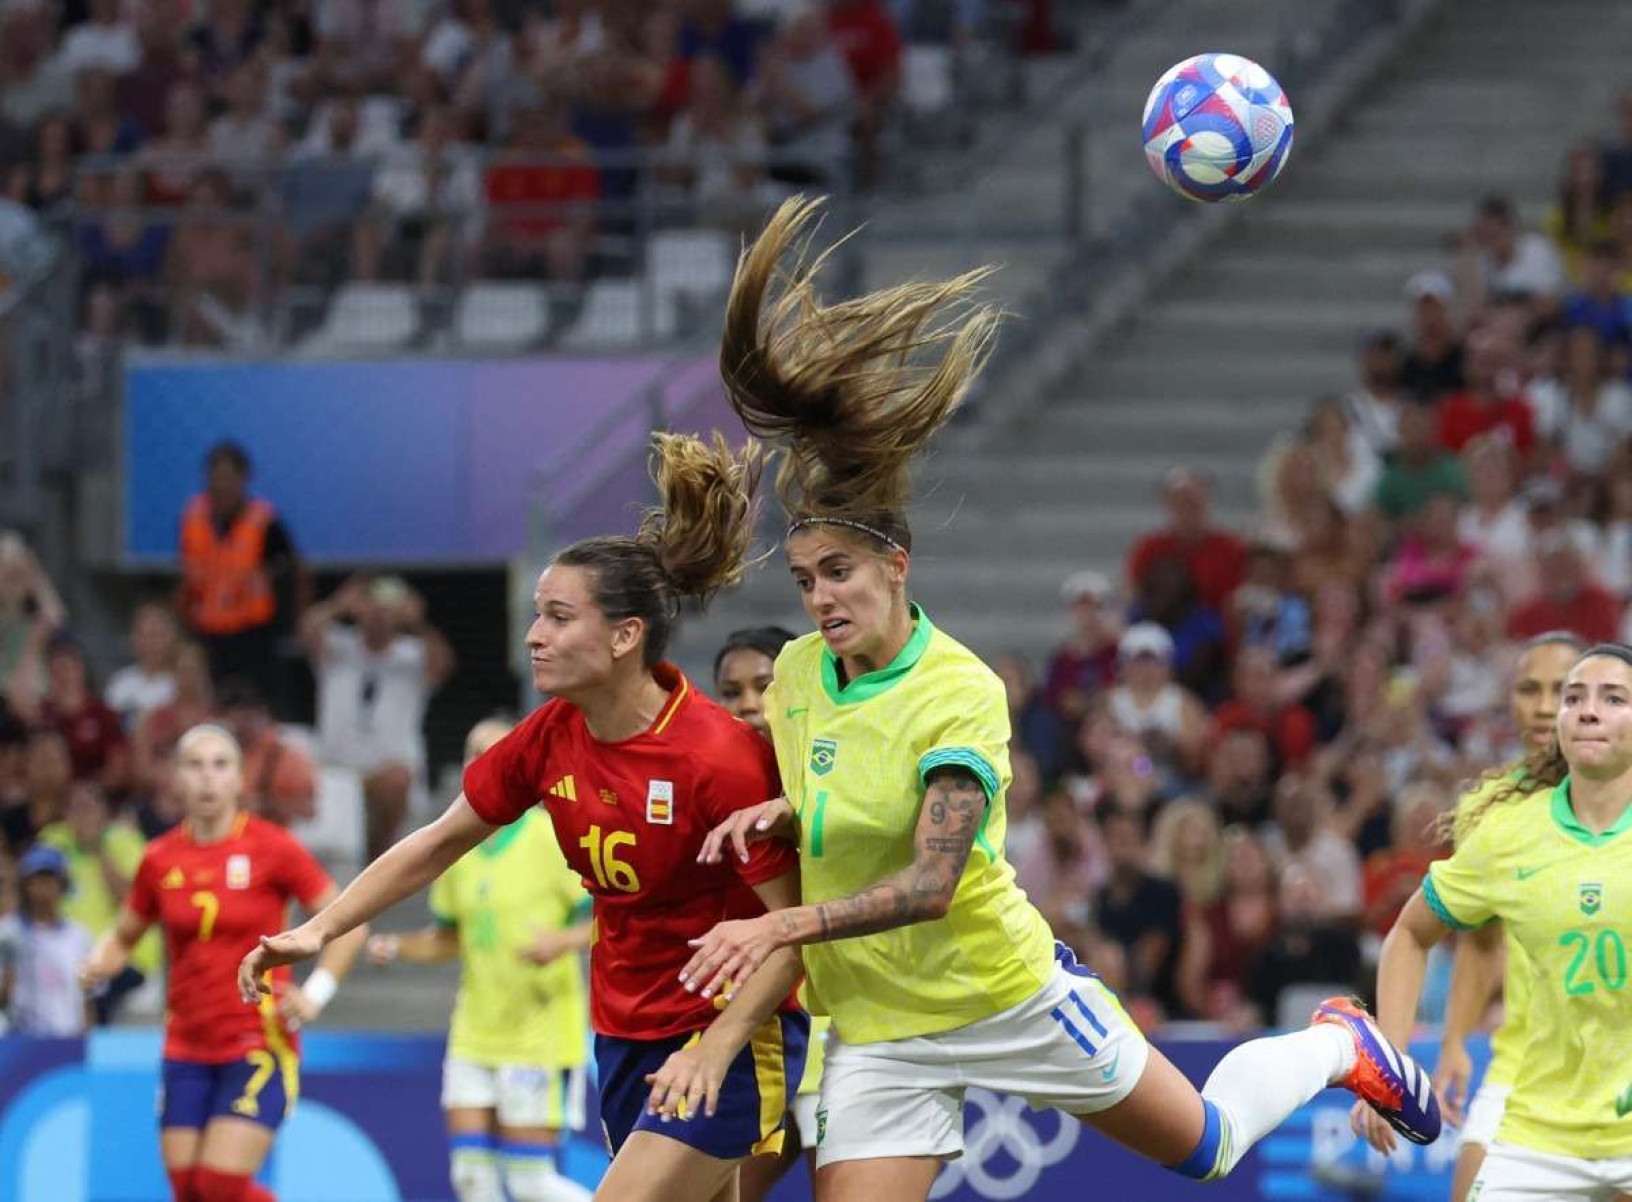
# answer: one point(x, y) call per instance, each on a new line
point(1420, 470)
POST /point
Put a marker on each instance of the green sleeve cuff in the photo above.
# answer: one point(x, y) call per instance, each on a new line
point(582, 912)
point(446, 921)
point(960, 757)
point(1431, 896)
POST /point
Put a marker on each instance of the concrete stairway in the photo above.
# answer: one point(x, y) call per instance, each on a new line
point(1233, 349)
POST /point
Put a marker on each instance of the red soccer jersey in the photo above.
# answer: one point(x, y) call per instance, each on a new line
point(215, 901)
point(630, 818)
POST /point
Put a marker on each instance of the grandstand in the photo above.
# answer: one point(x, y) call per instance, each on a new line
point(440, 268)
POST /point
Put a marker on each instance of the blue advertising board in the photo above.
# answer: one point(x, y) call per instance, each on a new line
point(77, 1124)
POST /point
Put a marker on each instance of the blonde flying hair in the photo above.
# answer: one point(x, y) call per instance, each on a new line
point(851, 391)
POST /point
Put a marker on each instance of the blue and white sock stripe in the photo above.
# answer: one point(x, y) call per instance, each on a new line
point(475, 1143)
point(531, 1153)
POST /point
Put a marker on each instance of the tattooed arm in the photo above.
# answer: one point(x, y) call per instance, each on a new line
point(954, 803)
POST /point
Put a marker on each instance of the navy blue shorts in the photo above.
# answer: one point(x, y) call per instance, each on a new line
point(754, 1098)
point(262, 1087)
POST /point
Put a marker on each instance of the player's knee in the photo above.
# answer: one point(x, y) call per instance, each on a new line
point(181, 1184)
point(1212, 1157)
point(210, 1185)
point(475, 1174)
point(530, 1176)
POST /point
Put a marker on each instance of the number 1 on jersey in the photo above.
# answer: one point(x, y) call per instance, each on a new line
point(609, 871)
point(209, 906)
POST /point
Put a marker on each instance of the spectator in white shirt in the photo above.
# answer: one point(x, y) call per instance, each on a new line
point(1585, 414)
point(1494, 522)
point(105, 41)
point(374, 680)
point(1507, 261)
point(245, 133)
point(41, 951)
point(425, 194)
point(150, 682)
point(1373, 409)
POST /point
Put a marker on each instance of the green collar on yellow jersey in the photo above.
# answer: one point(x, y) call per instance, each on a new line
point(871, 684)
point(502, 838)
point(1564, 815)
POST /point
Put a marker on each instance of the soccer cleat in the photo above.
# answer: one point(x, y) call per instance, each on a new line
point(1384, 1077)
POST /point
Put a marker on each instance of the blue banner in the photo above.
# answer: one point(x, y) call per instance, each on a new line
point(78, 1124)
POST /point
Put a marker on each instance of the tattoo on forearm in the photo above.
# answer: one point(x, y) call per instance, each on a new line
point(954, 805)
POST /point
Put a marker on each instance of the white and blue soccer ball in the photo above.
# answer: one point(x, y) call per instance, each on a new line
point(1217, 127)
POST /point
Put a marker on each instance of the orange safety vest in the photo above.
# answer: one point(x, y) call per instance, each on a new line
point(228, 589)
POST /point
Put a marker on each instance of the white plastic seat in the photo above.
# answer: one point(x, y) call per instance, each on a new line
point(366, 319)
point(496, 316)
point(612, 316)
point(693, 263)
point(926, 79)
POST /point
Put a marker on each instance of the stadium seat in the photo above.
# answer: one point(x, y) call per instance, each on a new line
point(366, 319)
point(691, 263)
point(612, 316)
point(495, 316)
point(336, 834)
point(926, 79)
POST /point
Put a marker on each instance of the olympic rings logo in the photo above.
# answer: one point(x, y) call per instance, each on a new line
point(1003, 1127)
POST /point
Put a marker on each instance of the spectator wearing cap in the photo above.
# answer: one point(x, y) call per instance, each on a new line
point(1254, 705)
point(1486, 405)
point(1585, 416)
point(97, 745)
point(41, 951)
point(1303, 837)
point(1422, 469)
point(1149, 703)
point(1504, 260)
point(1373, 409)
point(378, 661)
point(280, 780)
point(101, 855)
point(241, 573)
point(1216, 559)
point(1433, 365)
point(1085, 663)
point(139, 688)
point(1568, 598)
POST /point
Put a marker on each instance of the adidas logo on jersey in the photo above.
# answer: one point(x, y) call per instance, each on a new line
point(174, 879)
point(564, 789)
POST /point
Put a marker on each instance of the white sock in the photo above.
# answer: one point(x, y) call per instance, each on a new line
point(1259, 1083)
point(534, 1179)
point(475, 1174)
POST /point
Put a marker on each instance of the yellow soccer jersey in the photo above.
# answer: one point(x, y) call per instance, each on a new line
point(500, 896)
point(1508, 1041)
point(815, 1056)
point(1565, 896)
point(853, 764)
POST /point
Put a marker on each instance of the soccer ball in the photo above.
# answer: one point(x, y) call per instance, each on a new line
point(1217, 127)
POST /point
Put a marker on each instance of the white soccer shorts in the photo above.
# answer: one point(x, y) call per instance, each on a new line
point(1514, 1174)
point(1485, 1114)
point(803, 1111)
point(520, 1095)
point(1069, 1046)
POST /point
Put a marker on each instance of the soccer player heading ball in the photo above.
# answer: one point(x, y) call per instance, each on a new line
point(892, 741)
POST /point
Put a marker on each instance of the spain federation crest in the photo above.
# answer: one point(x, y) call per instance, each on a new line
point(822, 754)
point(1592, 899)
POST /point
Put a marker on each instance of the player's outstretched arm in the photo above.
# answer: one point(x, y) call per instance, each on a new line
point(404, 870)
point(691, 1078)
point(1400, 971)
point(954, 801)
point(303, 1005)
point(1476, 973)
point(112, 951)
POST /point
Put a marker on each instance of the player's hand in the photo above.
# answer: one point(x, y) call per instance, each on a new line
point(1451, 1077)
point(689, 1081)
point(728, 955)
point(772, 819)
point(1371, 1127)
point(296, 1009)
point(98, 971)
point(274, 951)
point(546, 947)
point(383, 949)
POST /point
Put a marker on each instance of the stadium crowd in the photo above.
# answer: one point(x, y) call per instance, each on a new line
point(204, 156)
point(1225, 778)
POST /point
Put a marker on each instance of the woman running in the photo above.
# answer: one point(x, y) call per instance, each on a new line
point(634, 767)
point(514, 1075)
point(892, 740)
point(1548, 856)
point(217, 884)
